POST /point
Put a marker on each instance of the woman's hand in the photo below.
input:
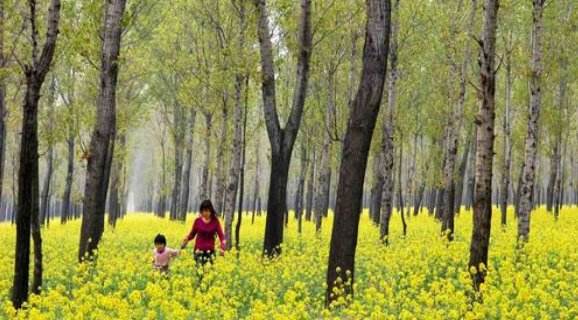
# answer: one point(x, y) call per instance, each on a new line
point(184, 243)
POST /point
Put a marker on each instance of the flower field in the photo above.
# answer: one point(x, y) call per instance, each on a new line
point(420, 276)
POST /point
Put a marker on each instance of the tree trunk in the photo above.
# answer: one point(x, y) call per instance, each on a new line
point(27, 205)
point(66, 203)
point(301, 188)
point(310, 187)
point(46, 188)
point(454, 128)
point(102, 141)
point(554, 163)
point(485, 147)
point(256, 188)
point(243, 158)
point(235, 169)
point(115, 198)
point(219, 200)
point(282, 139)
point(419, 198)
point(45, 195)
point(462, 176)
point(3, 108)
point(400, 190)
point(388, 126)
point(507, 139)
point(188, 164)
point(205, 183)
point(323, 185)
point(377, 187)
point(562, 114)
point(178, 139)
point(355, 150)
point(530, 149)
point(161, 206)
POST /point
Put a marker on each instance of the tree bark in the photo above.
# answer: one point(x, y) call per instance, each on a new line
point(66, 209)
point(243, 158)
point(205, 184)
point(554, 168)
point(355, 150)
point(117, 186)
point(377, 187)
point(507, 139)
point(235, 168)
point(485, 147)
point(178, 140)
point(301, 188)
point(256, 189)
point(388, 129)
point(400, 190)
point(310, 186)
point(27, 205)
point(531, 143)
point(282, 139)
point(454, 128)
point(238, 140)
point(188, 164)
point(46, 188)
point(219, 201)
point(323, 185)
point(102, 141)
point(3, 109)
point(462, 176)
point(161, 206)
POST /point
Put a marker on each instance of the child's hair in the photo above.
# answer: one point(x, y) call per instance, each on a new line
point(208, 205)
point(160, 239)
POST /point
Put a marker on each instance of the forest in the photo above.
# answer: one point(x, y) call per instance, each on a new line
point(367, 159)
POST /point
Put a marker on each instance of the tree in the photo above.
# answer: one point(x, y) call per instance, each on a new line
point(44, 214)
point(458, 70)
point(281, 139)
point(27, 210)
point(507, 134)
point(485, 146)
point(3, 109)
point(531, 142)
point(387, 143)
point(365, 108)
point(102, 141)
point(235, 168)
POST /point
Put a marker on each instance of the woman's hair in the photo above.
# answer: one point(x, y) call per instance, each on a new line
point(160, 239)
point(208, 205)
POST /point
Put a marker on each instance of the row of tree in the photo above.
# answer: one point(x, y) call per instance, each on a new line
point(156, 106)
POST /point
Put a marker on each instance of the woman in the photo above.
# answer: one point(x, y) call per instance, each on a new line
point(205, 228)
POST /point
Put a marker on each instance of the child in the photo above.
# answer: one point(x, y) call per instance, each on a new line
point(162, 254)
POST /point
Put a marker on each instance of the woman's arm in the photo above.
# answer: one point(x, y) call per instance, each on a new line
point(190, 236)
point(221, 236)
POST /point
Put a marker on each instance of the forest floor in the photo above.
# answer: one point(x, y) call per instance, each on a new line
point(420, 276)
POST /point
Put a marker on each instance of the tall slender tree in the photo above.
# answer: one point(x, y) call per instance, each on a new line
point(458, 70)
point(387, 144)
point(485, 146)
point(364, 111)
point(281, 139)
point(102, 141)
point(27, 208)
point(531, 143)
point(507, 134)
point(3, 109)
